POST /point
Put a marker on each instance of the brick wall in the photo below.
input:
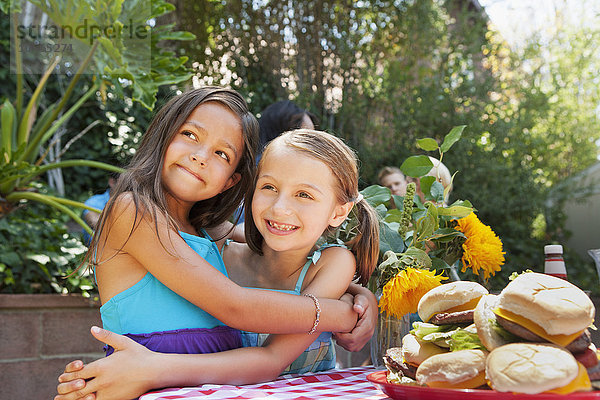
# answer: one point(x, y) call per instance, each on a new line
point(39, 335)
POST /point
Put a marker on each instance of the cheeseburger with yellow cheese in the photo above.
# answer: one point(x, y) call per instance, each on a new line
point(539, 307)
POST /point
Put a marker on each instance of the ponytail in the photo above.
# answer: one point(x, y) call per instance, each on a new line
point(365, 245)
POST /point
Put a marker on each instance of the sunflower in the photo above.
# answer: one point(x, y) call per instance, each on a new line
point(402, 293)
point(482, 249)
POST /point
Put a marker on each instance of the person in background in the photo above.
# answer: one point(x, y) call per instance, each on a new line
point(393, 179)
point(97, 201)
point(283, 116)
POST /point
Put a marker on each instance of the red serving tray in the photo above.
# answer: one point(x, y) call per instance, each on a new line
point(407, 392)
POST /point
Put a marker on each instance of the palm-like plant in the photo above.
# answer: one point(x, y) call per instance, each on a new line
point(112, 60)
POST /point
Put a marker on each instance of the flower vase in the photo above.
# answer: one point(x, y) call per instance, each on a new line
point(389, 332)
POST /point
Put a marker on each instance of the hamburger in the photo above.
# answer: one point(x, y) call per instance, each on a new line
point(542, 308)
point(463, 369)
point(404, 361)
point(535, 368)
point(490, 333)
point(451, 303)
point(447, 312)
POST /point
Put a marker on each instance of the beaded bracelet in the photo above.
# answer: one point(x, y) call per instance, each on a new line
point(318, 314)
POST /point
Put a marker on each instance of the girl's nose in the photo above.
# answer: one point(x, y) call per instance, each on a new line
point(199, 156)
point(281, 206)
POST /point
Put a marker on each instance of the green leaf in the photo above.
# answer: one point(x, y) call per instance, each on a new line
point(455, 211)
point(452, 137)
point(463, 203)
point(444, 235)
point(439, 264)
point(437, 191)
point(178, 35)
point(376, 195)
point(427, 144)
point(416, 166)
point(389, 238)
point(393, 215)
point(8, 126)
point(419, 255)
point(398, 202)
point(426, 182)
point(425, 226)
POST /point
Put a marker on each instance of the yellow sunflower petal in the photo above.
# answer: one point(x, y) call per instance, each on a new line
point(483, 249)
point(402, 293)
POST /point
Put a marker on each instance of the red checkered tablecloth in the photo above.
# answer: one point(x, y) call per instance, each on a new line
point(349, 383)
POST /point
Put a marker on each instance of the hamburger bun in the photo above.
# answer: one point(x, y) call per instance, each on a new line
point(415, 351)
point(534, 368)
point(485, 319)
point(554, 304)
point(463, 369)
point(450, 297)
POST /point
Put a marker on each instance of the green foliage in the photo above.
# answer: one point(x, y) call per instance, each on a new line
point(119, 66)
point(417, 234)
point(37, 253)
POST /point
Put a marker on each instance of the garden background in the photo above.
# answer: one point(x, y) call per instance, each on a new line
point(379, 74)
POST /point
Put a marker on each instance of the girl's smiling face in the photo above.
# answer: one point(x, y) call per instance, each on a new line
point(201, 159)
point(295, 199)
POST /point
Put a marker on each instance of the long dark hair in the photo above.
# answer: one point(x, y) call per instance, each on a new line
point(279, 117)
point(142, 178)
point(342, 162)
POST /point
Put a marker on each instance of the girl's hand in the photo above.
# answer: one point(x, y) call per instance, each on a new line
point(75, 388)
point(124, 374)
point(365, 304)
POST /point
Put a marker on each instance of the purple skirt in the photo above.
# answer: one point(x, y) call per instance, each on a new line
point(188, 341)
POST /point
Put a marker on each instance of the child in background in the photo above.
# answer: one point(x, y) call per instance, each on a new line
point(393, 179)
point(307, 184)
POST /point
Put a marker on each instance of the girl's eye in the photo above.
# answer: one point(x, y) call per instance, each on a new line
point(223, 155)
point(189, 134)
point(268, 187)
point(304, 195)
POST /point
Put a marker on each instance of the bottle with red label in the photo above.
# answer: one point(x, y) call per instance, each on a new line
point(554, 263)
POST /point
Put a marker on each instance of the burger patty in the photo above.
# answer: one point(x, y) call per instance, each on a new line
point(394, 362)
point(519, 330)
point(393, 358)
point(461, 317)
point(578, 345)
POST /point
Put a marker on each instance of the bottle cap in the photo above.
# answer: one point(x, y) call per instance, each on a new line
point(553, 249)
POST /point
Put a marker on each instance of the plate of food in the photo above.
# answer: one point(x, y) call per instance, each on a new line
point(529, 342)
point(398, 391)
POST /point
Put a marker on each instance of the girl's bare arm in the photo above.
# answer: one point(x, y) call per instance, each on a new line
point(181, 269)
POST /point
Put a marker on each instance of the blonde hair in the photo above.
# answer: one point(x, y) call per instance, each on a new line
point(343, 163)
